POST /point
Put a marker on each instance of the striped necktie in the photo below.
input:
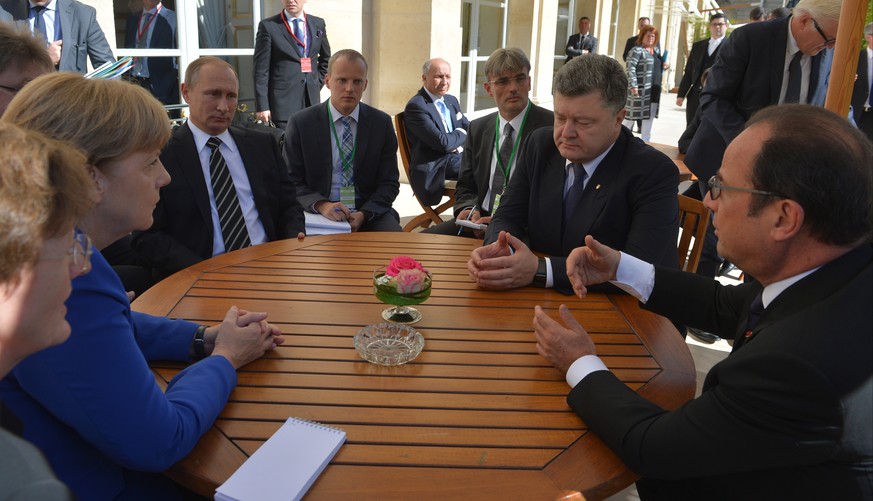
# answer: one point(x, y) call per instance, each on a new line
point(230, 217)
point(346, 149)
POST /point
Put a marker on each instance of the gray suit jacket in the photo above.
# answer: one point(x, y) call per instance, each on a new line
point(82, 37)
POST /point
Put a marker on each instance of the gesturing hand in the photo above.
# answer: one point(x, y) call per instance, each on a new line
point(494, 266)
point(590, 265)
point(560, 344)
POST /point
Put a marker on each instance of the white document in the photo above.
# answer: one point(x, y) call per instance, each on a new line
point(316, 224)
point(286, 465)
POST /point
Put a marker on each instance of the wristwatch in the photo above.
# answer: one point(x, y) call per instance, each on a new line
point(540, 278)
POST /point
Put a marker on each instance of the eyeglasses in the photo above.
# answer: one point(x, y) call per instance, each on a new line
point(503, 82)
point(715, 188)
point(79, 254)
point(827, 41)
point(718, 24)
point(12, 90)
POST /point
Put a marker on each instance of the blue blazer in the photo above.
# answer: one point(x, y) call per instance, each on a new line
point(431, 147)
point(92, 405)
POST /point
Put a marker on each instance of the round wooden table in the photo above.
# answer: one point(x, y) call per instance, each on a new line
point(478, 415)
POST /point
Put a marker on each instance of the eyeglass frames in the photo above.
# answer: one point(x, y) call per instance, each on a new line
point(827, 41)
point(503, 82)
point(715, 187)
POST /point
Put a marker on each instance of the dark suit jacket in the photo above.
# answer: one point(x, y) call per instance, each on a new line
point(82, 37)
point(163, 72)
point(786, 416)
point(475, 177)
point(628, 204)
point(589, 44)
point(431, 147)
point(689, 87)
point(280, 86)
point(861, 88)
point(628, 46)
point(746, 77)
point(182, 232)
point(310, 158)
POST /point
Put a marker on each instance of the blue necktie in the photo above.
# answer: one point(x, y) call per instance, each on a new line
point(447, 117)
point(298, 32)
point(39, 24)
point(571, 199)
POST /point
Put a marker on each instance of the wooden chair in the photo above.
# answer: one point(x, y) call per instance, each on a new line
point(431, 215)
point(693, 220)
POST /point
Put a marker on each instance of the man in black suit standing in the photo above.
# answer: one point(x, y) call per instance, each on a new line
point(154, 27)
point(491, 151)
point(702, 56)
point(585, 175)
point(583, 42)
point(230, 187)
point(291, 55)
point(437, 130)
point(787, 415)
point(70, 30)
point(862, 94)
point(642, 23)
point(342, 154)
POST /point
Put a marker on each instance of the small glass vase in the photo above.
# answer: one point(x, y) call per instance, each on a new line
point(387, 290)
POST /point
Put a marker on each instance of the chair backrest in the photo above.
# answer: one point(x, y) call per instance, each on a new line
point(402, 141)
point(693, 220)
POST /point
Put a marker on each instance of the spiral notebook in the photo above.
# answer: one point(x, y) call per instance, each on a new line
point(286, 465)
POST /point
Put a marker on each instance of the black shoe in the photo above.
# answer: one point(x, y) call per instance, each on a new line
point(726, 269)
point(703, 336)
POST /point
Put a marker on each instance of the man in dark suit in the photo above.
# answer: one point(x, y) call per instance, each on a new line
point(787, 415)
point(342, 154)
point(71, 31)
point(702, 56)
point(583, 42)
point(643, 22)
point(862, 97)
point(437, 130)
point(587, 175)
point(484, 172)
point(154, 27)
point(291, 55)
point(230, 187)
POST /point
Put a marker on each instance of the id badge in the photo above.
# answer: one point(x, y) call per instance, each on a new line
point(496, 203)
point(347, 196)
point(306, 64)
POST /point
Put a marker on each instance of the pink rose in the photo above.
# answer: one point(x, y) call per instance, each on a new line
point(402, 263)
point(410, 281)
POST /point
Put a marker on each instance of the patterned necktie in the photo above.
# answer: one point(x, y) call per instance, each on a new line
point(571, 198)
point(792, 93)
point(504, 157)
point(141, 42)
point(447, 117)
point(230, 217)
point(346, 149)
point(298, 32)
point(39, 23)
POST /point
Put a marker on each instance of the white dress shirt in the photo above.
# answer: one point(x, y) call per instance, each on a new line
point(805, 69)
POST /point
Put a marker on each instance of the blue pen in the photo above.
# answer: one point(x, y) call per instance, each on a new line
point(469, 217)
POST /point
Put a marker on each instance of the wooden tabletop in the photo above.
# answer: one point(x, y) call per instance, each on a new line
point(478, 415)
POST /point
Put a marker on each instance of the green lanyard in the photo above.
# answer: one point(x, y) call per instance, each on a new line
point(346, 164)
point(505, 168)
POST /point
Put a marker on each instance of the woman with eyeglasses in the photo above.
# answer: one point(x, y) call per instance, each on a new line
point(644, 89)
point(44, 190)
point(92, 404)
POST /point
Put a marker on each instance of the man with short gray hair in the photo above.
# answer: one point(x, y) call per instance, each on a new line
point(585, 175)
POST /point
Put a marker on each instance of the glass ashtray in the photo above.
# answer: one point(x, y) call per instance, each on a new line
point(388, 344)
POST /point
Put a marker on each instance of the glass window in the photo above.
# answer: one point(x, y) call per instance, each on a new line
point(484, 30)
point(225, 24)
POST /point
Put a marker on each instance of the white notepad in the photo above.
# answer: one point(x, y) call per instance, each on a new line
point(316, 224)
point(286, 465)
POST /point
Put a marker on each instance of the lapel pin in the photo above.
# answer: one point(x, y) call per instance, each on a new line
point(597, 187)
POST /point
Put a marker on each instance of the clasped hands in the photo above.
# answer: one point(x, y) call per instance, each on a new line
point(337, 211)
point(242, 337)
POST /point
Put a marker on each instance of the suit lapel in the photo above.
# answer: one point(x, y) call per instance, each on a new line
point(283, 30)
point(595, 196)
point(362, 136)
point(778, 44)
point(487, 149)
point(322, 123)
point(188, 160)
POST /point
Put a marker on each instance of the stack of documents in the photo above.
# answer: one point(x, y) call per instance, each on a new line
point(316, 224)
point(112, 69)
point(286, 466)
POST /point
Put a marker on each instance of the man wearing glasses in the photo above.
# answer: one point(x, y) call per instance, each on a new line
point(22, 58)
point(703, 54)
point(787, 415)
point(761, 64)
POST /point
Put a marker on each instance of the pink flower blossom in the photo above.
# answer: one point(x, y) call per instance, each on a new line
point(402, 263)
point(410, 281)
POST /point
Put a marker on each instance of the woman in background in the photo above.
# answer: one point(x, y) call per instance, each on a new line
point(92, 404)
point(44, 190)
point(643, 91)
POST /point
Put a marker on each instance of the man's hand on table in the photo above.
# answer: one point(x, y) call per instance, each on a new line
point(561, 344)
point(496, 266)
point(242, 337)
point(590, 265)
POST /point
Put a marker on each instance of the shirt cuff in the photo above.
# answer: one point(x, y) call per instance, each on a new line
point(635, 276)
point(550, 282)
point(582, 367)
